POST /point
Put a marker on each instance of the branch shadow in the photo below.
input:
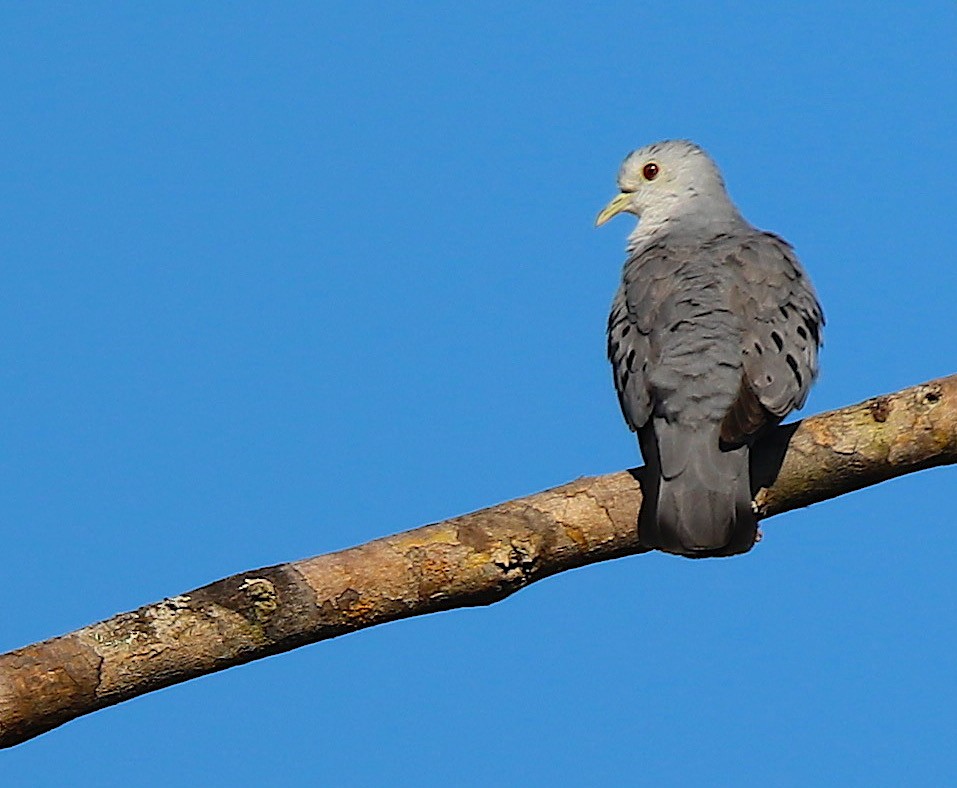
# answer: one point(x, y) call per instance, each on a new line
point(767, 455)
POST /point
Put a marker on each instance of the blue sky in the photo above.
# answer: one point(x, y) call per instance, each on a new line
point(282, 278)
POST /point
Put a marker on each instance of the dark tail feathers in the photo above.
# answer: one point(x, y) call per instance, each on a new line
point(697, 496)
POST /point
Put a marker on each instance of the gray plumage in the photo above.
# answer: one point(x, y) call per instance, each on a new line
point(713, 337)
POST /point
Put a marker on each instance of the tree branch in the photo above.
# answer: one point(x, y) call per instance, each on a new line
point(475, 559)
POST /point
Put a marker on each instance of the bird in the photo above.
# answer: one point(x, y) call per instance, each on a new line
point(713, 338)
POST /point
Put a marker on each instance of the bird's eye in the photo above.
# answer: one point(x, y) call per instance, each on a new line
point(650, 171)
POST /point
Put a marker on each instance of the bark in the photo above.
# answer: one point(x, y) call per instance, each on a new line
point(475, 559)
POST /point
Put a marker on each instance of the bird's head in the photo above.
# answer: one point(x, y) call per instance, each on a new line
point(664, 180)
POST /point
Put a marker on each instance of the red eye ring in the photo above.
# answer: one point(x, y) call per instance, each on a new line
point(650, 171)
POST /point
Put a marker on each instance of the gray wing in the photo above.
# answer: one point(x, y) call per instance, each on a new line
point(628, 348)
point(665, 330)
point(782, 323)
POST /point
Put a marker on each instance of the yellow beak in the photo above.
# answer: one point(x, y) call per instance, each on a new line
point(615, 207)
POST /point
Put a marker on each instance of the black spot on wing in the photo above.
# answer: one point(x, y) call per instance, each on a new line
point(792, 363)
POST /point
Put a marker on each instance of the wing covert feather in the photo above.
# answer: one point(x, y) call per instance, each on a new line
point(628, 349)
point(782, 322)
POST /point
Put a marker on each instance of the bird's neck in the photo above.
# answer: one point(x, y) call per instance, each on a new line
point(696, 214)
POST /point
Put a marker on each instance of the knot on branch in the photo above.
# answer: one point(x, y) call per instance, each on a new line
point(517, 559)
point(262, 594)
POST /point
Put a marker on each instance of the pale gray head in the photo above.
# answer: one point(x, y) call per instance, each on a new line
point(669, 180)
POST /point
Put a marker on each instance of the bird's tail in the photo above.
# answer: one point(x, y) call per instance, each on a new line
point(698, 495)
